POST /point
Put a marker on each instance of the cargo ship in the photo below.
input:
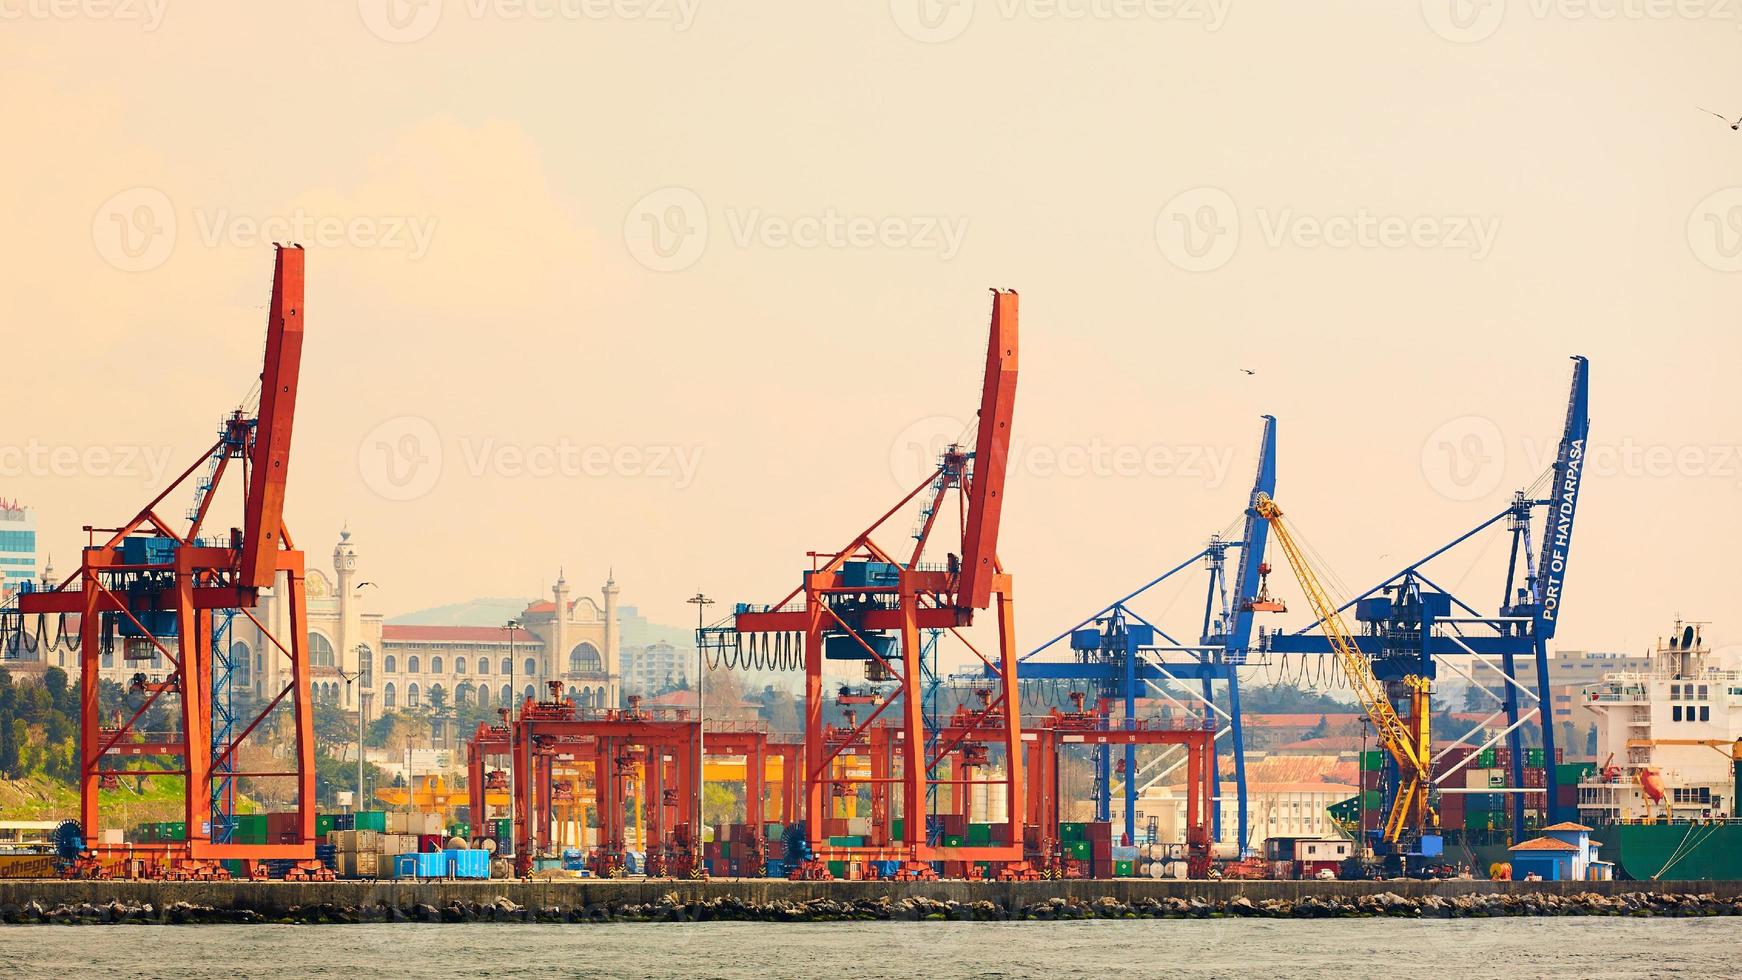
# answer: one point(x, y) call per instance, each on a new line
point(1664, 799)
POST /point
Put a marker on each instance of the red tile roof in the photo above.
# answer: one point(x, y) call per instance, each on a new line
point(1569, 825)
point(1544, 844)
point(391, 633)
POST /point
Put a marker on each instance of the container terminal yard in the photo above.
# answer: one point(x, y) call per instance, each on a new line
point(901, 772)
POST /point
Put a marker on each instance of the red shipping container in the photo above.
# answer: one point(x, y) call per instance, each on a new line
point(1098, 832)
point(1370, 779)
point(1452, 810)
point(429, 843)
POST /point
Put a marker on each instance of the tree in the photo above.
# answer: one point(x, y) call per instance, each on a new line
point(1319, 730)
point(335, 729)
point(1591, 741)
point(11, 742)
point(1475, 700)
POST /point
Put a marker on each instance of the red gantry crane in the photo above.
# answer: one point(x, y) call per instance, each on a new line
point(865, 603)
point(171, 593)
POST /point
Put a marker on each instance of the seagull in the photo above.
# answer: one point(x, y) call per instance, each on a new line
point(1733, 125)
point(1249, 370)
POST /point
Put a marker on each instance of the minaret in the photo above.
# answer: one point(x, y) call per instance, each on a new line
point(349, 632)
point(610, 590)
point(557, 650)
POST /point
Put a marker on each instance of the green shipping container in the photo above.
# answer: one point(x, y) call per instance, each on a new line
point(1571, 773)
point(896, 827)
point(1371, 800)
point(838, 868)
point(1486, 759)
point(375, 820)
point(1372, 760)
point(846, 842)
point(1123, 869)
point(1070, 832)
point(503, 828)
point(1484, 819)
point(1079, 849)
point(323, 824)
point(979, 835)
point(1533, 758)
point(954, 841)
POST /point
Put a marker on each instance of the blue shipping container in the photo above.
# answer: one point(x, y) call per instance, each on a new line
point(469, 864)
point(405, 866)
point(432, 864)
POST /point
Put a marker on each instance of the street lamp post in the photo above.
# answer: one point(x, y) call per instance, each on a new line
point(511, 627)
point(701, 602)
point(357, 694)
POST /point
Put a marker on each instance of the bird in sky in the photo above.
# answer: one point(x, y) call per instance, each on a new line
point(1249, 370)
point(1733, 125)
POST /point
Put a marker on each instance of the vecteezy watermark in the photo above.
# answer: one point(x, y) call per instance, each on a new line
point(1468, 458)
point(148, 14)
point(147, 464)
point(668, 229)
point(1200, 229)
point(1469, 21)
point(917, 449)
point(1465, 458)
point(1715, 230)
point(406, 21)
point(937, 21)
point(137, 229)
point(405, 458)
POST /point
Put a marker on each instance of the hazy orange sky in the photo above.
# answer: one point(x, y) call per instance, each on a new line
point(676, 286)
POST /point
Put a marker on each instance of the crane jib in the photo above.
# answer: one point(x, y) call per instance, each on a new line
point(1555, 561)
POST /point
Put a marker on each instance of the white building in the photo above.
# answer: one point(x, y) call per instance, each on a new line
point(655, 667)
point(1272, 810)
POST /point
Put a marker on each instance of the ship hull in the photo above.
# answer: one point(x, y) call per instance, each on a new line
point(1673, 852)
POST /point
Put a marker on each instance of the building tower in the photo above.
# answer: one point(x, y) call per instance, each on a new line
point(349, 635)
point(612, 641)
point(556, 651)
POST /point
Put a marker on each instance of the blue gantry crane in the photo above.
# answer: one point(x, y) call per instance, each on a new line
point(1409, 624)
point(1119, 654)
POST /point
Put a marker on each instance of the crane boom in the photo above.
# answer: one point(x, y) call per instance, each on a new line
point(1557, 527)
point(263, 522)
point(991, 456)
point(1406, 741)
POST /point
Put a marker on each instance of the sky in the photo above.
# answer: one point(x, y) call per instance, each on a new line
point(679, 290)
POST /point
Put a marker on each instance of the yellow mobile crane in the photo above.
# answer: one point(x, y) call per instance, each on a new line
point(1407, 740)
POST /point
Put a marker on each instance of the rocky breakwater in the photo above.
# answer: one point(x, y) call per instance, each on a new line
point(672, 908)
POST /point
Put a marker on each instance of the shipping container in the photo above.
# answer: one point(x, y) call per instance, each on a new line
point(375, 820)
point(1372, 760)
point(1069, 832)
